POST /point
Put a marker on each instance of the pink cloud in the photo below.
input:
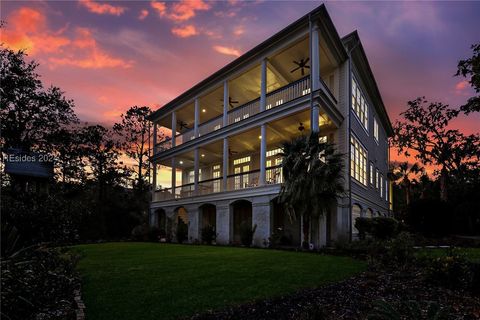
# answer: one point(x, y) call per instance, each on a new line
point(102, 8)
point(227, 51)
point(143, 14)
point(462, 85)
point(160, 7)
point(185, 32)
point(186, 9)
point(239, 30)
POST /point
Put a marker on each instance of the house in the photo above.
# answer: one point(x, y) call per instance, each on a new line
point(219, 163)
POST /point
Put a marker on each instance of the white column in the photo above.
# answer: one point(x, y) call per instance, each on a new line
point(315, 117)
point(263, 153)
point(195, 167)
point(315, 58)
point(225, 163)
point(174, 176)
point(174, 128)
point(263, 86)
point(225, 103)
point(197, 118)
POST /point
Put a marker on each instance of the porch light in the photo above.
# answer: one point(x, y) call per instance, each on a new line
point(204, 110)
point(259, 137)
point(203, 155)
point(181, 162)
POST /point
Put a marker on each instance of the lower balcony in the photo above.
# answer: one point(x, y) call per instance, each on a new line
point(209, 169)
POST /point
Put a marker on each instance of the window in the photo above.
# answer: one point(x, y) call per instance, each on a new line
point(358, 161)
point(241, 160)
point(274, 171)
point(359, 104)
point(381, 186)
point(271, 153)
point(372, 174)
point(377, 180)
point(375, 129)
point(386, 189)
point(216, 175)
point(191, 175)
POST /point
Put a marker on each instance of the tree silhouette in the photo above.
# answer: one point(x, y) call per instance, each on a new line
point(471, 68)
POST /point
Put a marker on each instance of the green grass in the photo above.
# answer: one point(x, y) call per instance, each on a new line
point(165, 281)
point(473, 254)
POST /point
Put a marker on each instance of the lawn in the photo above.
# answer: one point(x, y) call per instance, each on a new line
point(165, 281)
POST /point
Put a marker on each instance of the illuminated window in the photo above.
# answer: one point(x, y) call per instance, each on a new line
point(381, 186)
point(279, 102)
point(375, 129)
point(191, 175)
point(241, 160)
point(217, 127)
point(358, 161)
point(273, 152)
point(306, 91)
point(269, 106)
point(377, 180)
point(386, 189)
point(216, 175)
point(359, 104)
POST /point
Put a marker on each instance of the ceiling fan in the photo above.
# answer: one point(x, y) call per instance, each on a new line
point(182, 124)
point(231, 102)
point(302, 65)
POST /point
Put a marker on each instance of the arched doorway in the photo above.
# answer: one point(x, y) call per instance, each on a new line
point(356, 213)
point(242, 215)
point(208, 214)
point(180, 220)
point(370, 213)
point(286, 230)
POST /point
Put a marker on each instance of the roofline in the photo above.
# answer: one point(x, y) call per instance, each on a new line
point(319, 12)
point(356, 38)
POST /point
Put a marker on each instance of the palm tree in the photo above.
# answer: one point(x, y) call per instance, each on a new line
point(403, 173)
point(312, 175)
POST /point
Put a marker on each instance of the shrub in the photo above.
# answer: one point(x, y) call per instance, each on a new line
point(141, 232)
point(400, 250)
point(182, 231)
point(208, 234)
point(364, 226)
point(384, 228)
point(38, 283)
point(452, 270)
point(154, 234)
point(411, 310)
point(430, 217)
point(246, 233)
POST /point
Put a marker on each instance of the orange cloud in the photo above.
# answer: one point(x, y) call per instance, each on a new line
point(90, 56)
point(185, 32)
point(27, 30)
point(186, 9)
point(227, 51)
point(239, 30)
point(143, 14)
point(462, 85)
point(102, 8)
point(160, 7)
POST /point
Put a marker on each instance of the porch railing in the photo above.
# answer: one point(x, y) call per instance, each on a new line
point(210, 186)
point(243, 180)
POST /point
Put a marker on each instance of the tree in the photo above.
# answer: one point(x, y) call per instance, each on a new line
point(471, 68)
point(135, 131)
point(426, 131)
point(68, 151)
point(312, 175)
point(402, 174)
point(29, 114)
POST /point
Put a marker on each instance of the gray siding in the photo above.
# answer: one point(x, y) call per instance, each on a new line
point(369, 196)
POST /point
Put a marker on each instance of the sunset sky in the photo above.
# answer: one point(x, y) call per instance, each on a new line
point(108, 56)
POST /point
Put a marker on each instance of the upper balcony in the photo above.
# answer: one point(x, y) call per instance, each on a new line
point(284, 76)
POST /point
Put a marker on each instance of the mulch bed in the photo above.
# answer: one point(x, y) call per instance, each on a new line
point(352, 299)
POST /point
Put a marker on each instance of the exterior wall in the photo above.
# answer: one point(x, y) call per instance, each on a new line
point(369, 196)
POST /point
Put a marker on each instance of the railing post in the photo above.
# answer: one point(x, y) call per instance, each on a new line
point(263, 85)
point(225, 163)
point(174, 128)
point(225, 103)
point(195, 168)
point(174, 176)
point(197, 118)
point(263, 153)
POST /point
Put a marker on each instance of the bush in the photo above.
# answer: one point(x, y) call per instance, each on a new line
point(208, 234)
point(364, 226)
point(38, 283)
point(154, 234)
point(384, 228)
point(246, 233)
point(411, 310)
point(430, 217)
point(141, 232)
point(279, 238)
point(182, 231)
point(452, 270)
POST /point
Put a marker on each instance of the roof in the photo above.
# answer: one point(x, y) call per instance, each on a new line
point(28, 164)
point(320, 14)
point(352, 42)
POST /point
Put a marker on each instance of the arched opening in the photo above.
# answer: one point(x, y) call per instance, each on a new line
point(356, 213)
point(370, 213)
point(180, 221)
point(242, 216)
point(286, 230)
point(208, 216)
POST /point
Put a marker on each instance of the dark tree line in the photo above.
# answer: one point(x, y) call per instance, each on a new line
point(449, 197)
point(93, 195)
